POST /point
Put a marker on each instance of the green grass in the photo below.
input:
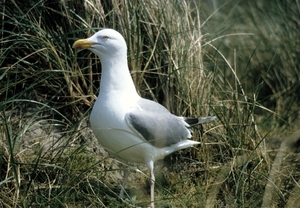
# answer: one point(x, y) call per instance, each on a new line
point(238, 61)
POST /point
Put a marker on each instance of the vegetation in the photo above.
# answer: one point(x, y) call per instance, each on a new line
point(238, 61)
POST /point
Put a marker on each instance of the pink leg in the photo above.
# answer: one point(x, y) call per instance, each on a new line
point(150, 165)
point(126, 174)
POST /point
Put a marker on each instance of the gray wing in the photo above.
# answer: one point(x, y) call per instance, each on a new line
point(157, 125)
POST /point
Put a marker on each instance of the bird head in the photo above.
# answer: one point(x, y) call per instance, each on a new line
point(106, 42)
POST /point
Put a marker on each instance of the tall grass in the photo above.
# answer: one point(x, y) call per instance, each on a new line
point(237, 61)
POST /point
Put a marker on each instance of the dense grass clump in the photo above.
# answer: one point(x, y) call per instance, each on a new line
point(238, 61)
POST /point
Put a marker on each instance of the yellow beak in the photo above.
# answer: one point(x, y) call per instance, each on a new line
point(82, 44)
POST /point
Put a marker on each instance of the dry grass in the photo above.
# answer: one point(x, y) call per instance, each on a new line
point(239, 62)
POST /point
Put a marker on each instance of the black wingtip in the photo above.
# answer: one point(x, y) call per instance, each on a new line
point(200, 120)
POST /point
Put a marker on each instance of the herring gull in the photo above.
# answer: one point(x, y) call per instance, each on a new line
point(130, 127)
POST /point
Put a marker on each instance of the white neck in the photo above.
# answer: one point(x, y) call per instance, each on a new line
point(116, 78)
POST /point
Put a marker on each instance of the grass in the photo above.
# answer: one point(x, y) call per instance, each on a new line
point(238, 61)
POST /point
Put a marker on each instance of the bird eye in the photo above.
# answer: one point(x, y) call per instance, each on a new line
point(105, 37)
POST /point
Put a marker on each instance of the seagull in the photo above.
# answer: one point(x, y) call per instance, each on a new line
point(131, 128)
